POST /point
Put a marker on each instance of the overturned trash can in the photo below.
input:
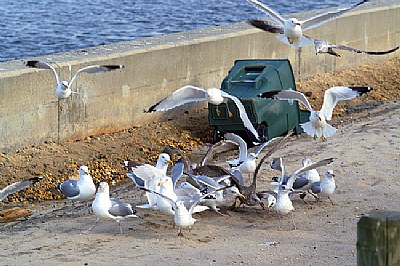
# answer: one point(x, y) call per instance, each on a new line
point(271, 118)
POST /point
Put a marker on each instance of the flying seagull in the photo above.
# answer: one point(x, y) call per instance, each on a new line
point(317, 127)
point(293, 28)
point(320, 46)
point(191, 94)
point(14, 187)
point(63, 89)
point(110, 208)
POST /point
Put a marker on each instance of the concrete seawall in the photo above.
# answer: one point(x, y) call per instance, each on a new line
point(30, 113)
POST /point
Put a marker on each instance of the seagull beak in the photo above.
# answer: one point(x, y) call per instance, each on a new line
point(160, 183)
point(242, 196)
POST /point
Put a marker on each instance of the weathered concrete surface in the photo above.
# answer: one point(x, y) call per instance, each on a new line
point(154, 67)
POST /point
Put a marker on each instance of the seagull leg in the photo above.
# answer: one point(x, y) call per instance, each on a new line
point(229, 112)
point(120, 228)
point(180, 231)
point(323, 137)
point(331, 200)
point(294, 224)
point(86, 232)
point(217, 111)
point(315, 136)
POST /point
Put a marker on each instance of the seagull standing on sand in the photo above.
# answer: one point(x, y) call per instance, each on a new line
point(63, 89)
point(110, 208)
point(191, 94)
point(317, 127)
point(283, 203)
point(79, 190)
point(293, 28)
point(320, 46)
point(183, 215)
point(326, 187)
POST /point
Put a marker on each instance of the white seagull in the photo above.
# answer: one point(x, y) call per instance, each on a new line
point(79, 190)
point(191, 94)
point(326, 187)
point(17, 186)
point(183, 215)
point(109, 208)
point(320, 46)
point(283, 204)
point(293, 28)
point(317, 127)
point(247, 160)
point(151, 176)
point(63, 89)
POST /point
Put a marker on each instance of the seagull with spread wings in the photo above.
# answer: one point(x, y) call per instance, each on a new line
point(317, 127)
point(320, 46)
point(293, 28)
point(63, 89)
point(192, 94)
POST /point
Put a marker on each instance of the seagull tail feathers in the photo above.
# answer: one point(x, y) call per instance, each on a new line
point(329, 130)
point(308, 128)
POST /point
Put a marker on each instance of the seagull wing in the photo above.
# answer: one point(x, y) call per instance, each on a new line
point(137, 180)
point(288, 95)
point(172, 202)
point(43, 65)
point(94, 69)
point(270, 12)
point(177, 171)
point(264, 25)
point(242, 145)
point(120, 209)
point(207, 181)
point(220, 146)
point(335, 94)
point(242, 113)
point(70, 188)
point(323, 18)
point(346, 48)
point(311, 166)
point(198, 199)
point(186, 94)
point(10, 189)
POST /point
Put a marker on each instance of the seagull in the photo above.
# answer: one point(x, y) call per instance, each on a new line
point(293, 28)
point(79, 190)
point(167, 189)
point(317, 127)
point(247, 161)
point(151, 176)
point(283, 203)
point(183, 215)
point(326, 187)
point(191, 94)
point(63, 89)
point(320, 46)
point(110, 208)
point(14, 187)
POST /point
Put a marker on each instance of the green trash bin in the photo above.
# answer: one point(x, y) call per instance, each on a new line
point(271, 118)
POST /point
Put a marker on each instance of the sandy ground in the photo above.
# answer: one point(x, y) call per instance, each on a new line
point(367, 148)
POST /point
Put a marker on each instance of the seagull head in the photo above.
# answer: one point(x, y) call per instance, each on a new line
point(329, 174)
point(271, 201)
point(83, 170)
point(252, 156)
point(294, 22)
point(103, 187)
point(306, 161)
point(65, 84)
point(164, 158)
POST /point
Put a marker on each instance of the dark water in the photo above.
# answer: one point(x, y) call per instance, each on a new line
point(32, 28)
